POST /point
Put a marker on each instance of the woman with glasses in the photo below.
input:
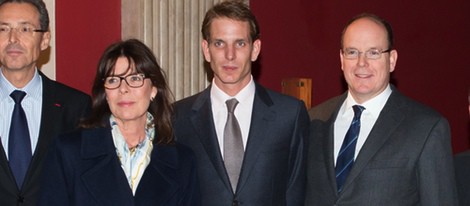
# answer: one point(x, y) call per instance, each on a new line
point(124, 153)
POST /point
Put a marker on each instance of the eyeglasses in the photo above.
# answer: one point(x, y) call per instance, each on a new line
point(370, 54)
point(133, 80)
point(21, 30)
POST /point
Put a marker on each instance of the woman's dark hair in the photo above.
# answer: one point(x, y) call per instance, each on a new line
point(142, 58)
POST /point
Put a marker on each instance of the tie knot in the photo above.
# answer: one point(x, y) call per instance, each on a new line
point(358, 110)
point(231, 104)
point(17, 96)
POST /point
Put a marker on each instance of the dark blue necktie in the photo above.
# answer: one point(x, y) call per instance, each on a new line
point(345, 159)
point(19, 144)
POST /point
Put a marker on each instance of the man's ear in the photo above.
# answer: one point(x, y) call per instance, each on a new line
point(205, 50)
point(45, 40)
point(393, 59)
point(256, 50)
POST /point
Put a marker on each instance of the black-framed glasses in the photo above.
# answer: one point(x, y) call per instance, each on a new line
point(22, 29)
point(370, 54)
point(133, 80)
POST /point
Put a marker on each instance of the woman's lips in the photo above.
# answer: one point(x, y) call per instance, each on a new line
point(125, 104)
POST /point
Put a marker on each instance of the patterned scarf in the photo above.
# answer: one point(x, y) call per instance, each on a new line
point(134, 160)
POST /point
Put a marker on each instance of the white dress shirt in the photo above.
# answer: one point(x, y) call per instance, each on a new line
point(369, 116)
point(242, 112)
point(32, 104)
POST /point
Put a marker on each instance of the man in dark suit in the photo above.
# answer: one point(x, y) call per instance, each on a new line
point(49, 107)
point(462, 172)
point(263, 163)
point(396, 152)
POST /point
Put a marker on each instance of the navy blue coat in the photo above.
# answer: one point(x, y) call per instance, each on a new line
point(83, 169)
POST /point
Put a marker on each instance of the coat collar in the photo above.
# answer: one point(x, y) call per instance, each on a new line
point(328, 137)
point(263, 116)
point(52, 111)
point(202, 119)
point(106, 180)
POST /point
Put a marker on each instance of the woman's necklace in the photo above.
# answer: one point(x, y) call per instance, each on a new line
point(134, 148)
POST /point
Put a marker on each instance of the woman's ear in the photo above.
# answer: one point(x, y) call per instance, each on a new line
point(154, 93)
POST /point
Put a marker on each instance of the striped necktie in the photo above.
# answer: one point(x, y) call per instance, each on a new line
point(345, 159)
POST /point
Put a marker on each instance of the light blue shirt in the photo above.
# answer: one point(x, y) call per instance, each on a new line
point(32, 104)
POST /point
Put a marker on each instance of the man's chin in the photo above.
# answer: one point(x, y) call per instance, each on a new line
point(14, 67)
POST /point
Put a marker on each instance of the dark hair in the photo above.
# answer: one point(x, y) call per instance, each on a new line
point(40, 7)
point(144, 61)
point(376, 19)
point(236, 10)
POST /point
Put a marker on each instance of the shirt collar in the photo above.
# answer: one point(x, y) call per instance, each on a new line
point(218, 97)
point(373, 106)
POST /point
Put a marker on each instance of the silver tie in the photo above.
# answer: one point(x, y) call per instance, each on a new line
point(233, 145)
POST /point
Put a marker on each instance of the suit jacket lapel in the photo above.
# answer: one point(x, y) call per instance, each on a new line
point(261, 119)
point(328, 142)
point(329, 157)
point(202, 115)
point(106, 180)
point(389, 118)
point(51, 114)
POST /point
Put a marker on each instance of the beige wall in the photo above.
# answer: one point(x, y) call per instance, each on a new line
point(47, 60)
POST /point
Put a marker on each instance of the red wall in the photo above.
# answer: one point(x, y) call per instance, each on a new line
point(300, 38)
point(83, 30)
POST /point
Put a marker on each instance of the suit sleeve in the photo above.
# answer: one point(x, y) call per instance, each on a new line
point(295, 193)
point(53, 183)
point(435, 168)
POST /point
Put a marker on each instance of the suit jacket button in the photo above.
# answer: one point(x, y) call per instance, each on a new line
point(235, 203)
point(20, 199)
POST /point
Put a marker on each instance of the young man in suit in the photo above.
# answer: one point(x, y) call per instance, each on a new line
point(396, 152)
point(261, 160)
point(46, 109)
point(462, 171)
